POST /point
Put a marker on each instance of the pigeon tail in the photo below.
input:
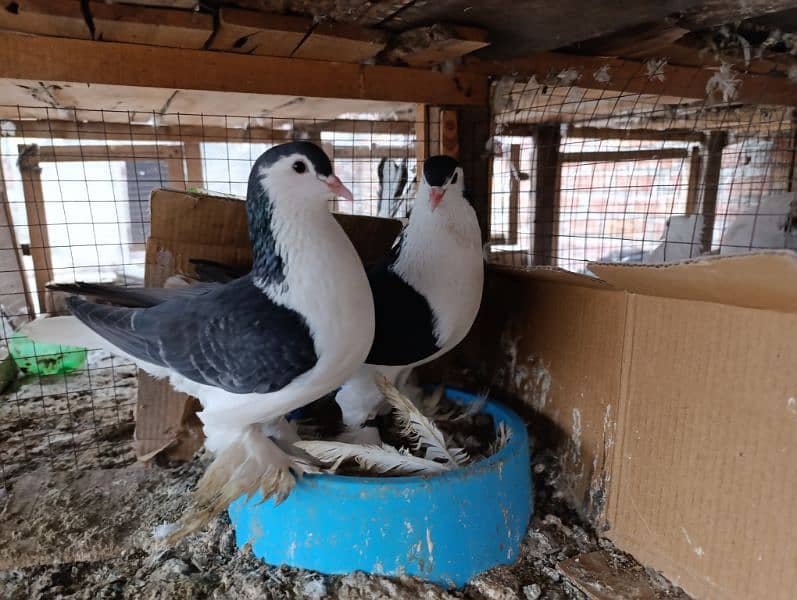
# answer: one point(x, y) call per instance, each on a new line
point(253, 462)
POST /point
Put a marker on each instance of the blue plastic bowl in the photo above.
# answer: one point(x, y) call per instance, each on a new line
point(444, 528)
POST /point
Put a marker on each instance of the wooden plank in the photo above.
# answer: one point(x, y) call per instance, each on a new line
point(449, 133)
point(341, 42)
point(630, 76)
point(12, 284)
point(253, 32)
point(435, 44)
point(149, 25)
point(132, 132)
point(693, 190)
point(602, 133)
point(514, 195)
point(547, 140)
point(633, 42)
point(192, 151)
point(421, 137)
point(94, 153)
point(474, 125)
point(624, 155)
point(717, 141)
point(37, 220)
point(63, 18)
point(40, 58)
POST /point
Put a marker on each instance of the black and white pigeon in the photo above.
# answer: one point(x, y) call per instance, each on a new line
point(251, 350)
point(392, 175)
point(426, 293)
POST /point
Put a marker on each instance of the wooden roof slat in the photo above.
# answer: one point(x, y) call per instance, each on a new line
point(61, 59)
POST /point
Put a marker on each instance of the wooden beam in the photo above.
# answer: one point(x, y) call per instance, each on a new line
point(94, 153)
point(716, 143)
point(99, 130)
point(37, 220)
point(631, 76)
point(57, 59)
point(624, 155)
point(602, 133)
point(547, 140)
point(693, 190)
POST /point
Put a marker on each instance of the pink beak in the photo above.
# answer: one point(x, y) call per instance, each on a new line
point(336, 186)
point(436, 196)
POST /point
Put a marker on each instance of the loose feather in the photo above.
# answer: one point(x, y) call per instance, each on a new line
point(420, 430)
point(377, 459)
point(502, 436)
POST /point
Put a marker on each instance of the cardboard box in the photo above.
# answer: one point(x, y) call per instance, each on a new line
point(670, 394)
point(189, 225)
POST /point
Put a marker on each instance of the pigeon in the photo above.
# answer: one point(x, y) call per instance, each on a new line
point(392, 182)
point(426, 293)
point(766, 224)
point(681, 240)
point(253, 349)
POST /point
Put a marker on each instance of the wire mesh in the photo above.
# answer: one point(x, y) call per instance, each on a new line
point(75, 207)
point(621, 175)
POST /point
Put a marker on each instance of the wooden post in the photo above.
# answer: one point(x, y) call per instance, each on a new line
point(449, 133)
point(421, 137)
point(37, 220)
point(474, 131)
point(547, 138)
point(693, 191)
point(514, 194)
point(192, 150)
point(8, 222)
point(717, 141)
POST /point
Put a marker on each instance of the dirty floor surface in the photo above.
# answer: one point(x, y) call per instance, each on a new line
point(87, 532)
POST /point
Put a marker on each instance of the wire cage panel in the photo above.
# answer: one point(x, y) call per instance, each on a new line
point(76, 208)
point(583, 175)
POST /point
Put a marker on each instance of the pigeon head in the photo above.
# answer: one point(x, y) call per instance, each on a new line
point(296, 172)
point(285, 183)
point(443, 178)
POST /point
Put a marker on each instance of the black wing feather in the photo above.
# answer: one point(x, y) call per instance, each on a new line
point(404, 320)
point(232, 337)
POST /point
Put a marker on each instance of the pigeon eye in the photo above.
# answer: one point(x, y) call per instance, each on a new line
point(299, 166)
point(454, 178)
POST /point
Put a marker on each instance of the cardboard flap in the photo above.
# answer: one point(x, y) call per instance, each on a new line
point(553, 274)
point(766, 280)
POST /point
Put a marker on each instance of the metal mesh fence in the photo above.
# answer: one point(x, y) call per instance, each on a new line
point(583, 175)
point(75, 207)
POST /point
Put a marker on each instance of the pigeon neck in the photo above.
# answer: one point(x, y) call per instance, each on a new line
point(268, 266)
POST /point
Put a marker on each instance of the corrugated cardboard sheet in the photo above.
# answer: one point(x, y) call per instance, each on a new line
point(186, 226)
point(671, 398)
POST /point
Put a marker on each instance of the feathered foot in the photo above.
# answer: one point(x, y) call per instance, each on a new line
point(252, 462)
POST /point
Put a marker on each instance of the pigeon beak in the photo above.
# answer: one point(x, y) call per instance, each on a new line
point(436, 196)
point(336, 186)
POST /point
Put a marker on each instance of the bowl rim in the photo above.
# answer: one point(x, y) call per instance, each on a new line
point(518, 441)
